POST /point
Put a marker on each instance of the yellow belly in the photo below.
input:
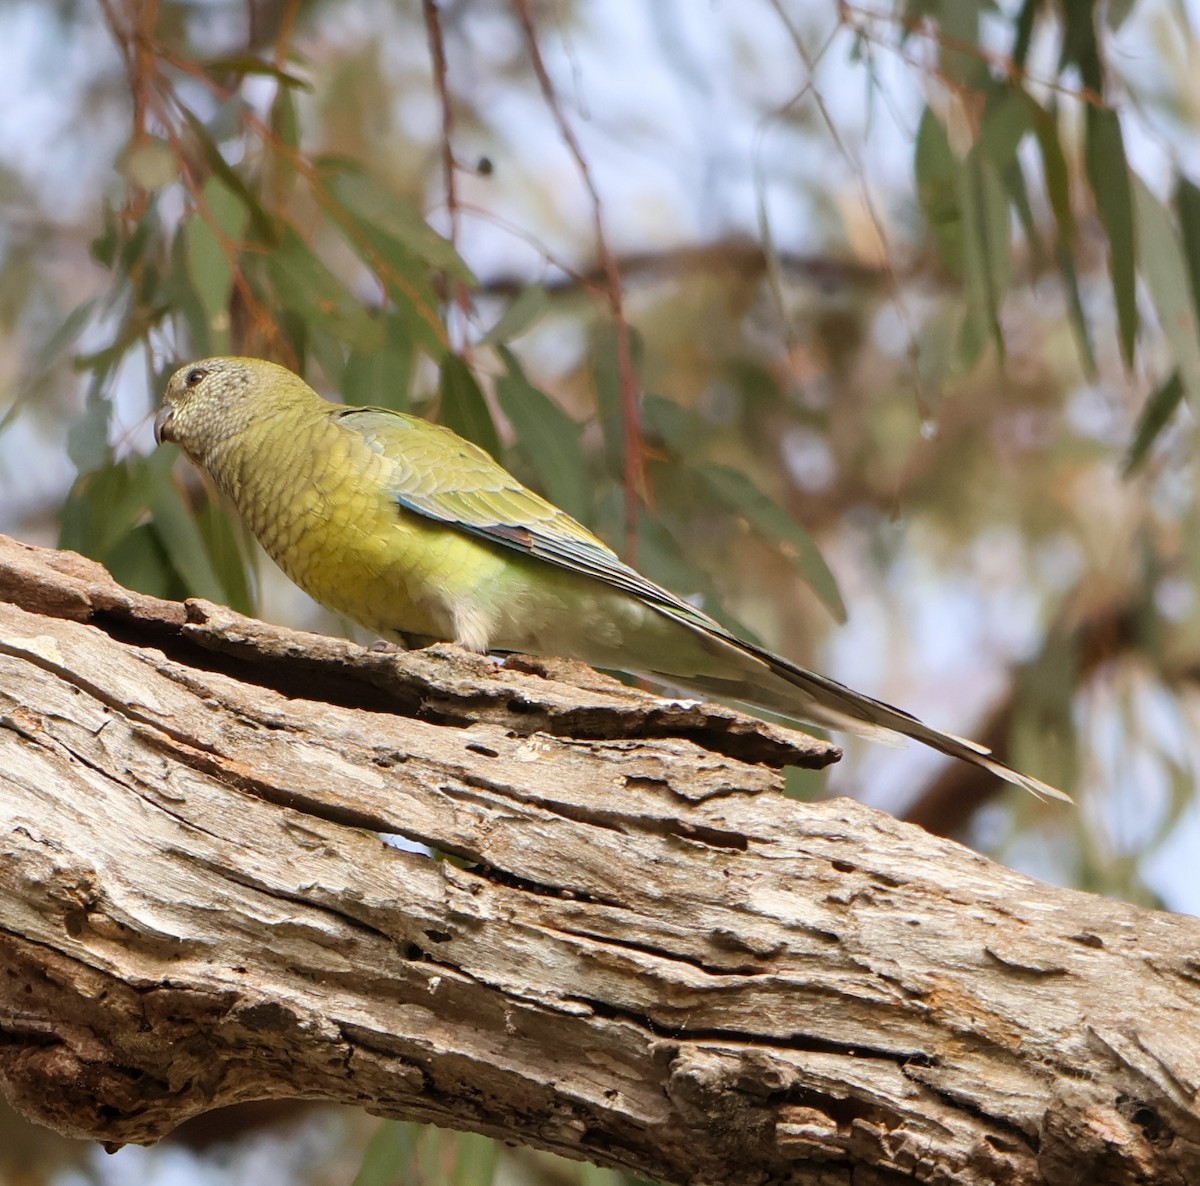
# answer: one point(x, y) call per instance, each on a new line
point(322, 512)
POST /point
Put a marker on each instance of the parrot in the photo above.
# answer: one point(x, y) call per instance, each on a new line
point(420, 536)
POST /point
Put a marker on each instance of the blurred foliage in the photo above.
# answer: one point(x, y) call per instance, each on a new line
point(967, 381)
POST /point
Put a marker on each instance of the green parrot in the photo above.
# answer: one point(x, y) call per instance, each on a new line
point(418, 535)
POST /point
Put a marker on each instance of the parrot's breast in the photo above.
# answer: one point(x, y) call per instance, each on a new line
point(319, 502)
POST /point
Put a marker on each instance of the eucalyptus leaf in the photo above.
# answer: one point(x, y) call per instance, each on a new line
point(739, 494)
point(1165, 268)
point(306, 286)
point(390, 1156)
point(463, 407)
point(1155, 415)
point(1108, 174)
point(939, 189)
point(475, 1160)
point(547, 437)
point(520, 315)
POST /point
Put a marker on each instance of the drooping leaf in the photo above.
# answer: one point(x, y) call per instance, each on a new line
point(462, 406)
point(178, 532)
point(407, 277)
point(228, 550)
point(1187, 203)
point(266, 227)
point(1058, 190)
point(382, 377)
point(1108, 175)
point(663, 559)
point(101, 509)
point(1116, 12)
point(520, 316)
point(939, 190)
point(87, 438)
point(1164, 266)
point(309, 289)
point(211, 238)
point(985, 255)
point(1026, 20)
point(394, 215)
point(390, 1156)
point(1079, 323)
point(1155, 416)
point(547, 437)
point(738, 493)
point(475, 1160)
point(242, 65)
point(138, 561)
point(64, 336)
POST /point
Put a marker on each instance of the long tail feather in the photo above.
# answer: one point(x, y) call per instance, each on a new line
point(792, 691)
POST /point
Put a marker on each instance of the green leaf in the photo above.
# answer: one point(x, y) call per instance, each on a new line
point(227, 545)
point(1155, 416)
point(139, 562)
point(265, 226)
point(406, 277)
point(1079, 324)
point(1187, 202)
point(606, 382)
point(1079, 43)
point(1026, 19)
point(475, 1163)
point(101, 509)
point(520, 315)
point(547, 437)
point(211, 237)
point(985, 254)
point(390, 1156)
point(394, 215)
point(662, 559)
point(240, 66)
point(87, 438)
point(1054, 168)
point(1164, 267)
point(1108, 174)
point(1018, 195)
point(184, 545)
point(734, 490)
point(65, 335)
point(306, 286)
point(382, 378)
point(682, 430)
point(462, 406)
point(939, 191)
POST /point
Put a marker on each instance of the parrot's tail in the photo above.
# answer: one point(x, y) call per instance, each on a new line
point(768, 681)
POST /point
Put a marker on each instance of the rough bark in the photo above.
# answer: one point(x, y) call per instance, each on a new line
point(646, 957)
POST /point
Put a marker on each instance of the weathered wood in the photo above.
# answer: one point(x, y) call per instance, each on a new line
point(650, 959)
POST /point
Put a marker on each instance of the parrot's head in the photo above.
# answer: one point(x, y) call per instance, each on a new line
point(215, 398)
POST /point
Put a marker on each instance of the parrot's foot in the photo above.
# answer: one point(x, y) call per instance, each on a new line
point(402, 640)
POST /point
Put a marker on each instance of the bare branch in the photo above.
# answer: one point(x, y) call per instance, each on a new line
point(647, 958)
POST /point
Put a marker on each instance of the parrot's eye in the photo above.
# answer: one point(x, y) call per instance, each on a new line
point(196, 376)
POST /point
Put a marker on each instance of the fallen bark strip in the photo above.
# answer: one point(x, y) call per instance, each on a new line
point(651, 959)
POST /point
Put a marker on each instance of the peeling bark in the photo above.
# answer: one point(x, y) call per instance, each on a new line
point(646, 956)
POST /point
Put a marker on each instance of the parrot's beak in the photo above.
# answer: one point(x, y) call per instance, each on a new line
point(162, 424)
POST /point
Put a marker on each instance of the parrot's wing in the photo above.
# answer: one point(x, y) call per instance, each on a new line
point(437, 474)
point(441, 476)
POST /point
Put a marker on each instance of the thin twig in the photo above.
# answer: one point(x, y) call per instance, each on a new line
point(634, 469)
point(437, 50)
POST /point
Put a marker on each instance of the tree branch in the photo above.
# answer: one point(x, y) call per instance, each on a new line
point(647, 957)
